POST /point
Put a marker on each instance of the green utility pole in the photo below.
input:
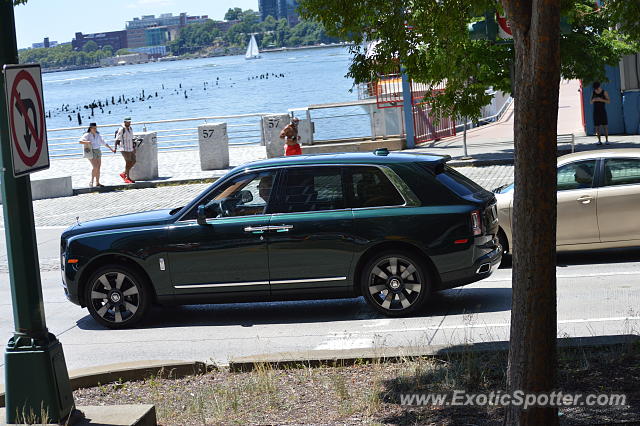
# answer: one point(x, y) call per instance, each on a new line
point(36, 377)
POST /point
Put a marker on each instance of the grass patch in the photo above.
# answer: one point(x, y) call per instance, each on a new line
point(369, 393)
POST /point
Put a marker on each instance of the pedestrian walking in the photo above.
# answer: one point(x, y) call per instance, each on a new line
point(92, 142)
point(599, 98)
point(124, 139)
point(291, 138)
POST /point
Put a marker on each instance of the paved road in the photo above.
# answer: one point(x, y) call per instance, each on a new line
point(598, 294)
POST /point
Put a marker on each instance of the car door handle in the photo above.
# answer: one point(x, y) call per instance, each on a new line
point(585, 199)
point(256, 229)
point(280, 228)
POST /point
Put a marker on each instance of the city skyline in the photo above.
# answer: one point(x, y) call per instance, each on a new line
point(39, 19)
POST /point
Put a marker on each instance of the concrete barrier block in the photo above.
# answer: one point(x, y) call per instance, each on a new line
point(305, 131)
point(51, 188)
point(146, 167)
point(272, 125)
point(213, 143)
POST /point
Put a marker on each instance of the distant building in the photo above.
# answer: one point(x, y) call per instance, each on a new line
point(279, 9)
point(45, 44)
point(268, 8)
point(152, 51)
point(116, 39)
point(225, 25)
point(156, 36)
point(288, 9)
point(149, 30)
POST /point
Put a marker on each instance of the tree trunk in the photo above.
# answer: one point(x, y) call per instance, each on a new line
point(532, 355)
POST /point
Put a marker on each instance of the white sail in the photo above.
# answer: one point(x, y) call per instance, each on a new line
point(252, 49)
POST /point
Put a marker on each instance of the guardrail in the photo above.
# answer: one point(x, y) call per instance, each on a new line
point(172, 135)
point(319, 116)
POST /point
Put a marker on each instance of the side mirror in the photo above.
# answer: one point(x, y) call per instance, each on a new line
point(246, 196)
point(202, 215)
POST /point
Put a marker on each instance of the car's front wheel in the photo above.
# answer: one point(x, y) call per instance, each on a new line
point(116, 296)
point(395, 283)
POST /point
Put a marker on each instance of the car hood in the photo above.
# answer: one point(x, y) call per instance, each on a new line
point(151, 218)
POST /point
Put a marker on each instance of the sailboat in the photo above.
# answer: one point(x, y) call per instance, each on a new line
point(252, 49)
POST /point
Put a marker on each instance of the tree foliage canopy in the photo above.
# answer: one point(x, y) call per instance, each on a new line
point(430, 38)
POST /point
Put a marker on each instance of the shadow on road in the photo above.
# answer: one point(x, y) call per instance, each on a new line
point(449, 302)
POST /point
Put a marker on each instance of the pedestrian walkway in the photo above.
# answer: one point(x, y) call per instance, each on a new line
point(172, 166)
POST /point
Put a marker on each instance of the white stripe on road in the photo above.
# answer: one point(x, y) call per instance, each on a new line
point(465, 326)
point(602, 274)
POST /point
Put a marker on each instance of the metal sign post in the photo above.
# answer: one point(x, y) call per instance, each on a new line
point(407, 98)
point(36, 377)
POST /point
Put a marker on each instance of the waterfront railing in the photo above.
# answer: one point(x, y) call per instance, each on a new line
point(172, 135)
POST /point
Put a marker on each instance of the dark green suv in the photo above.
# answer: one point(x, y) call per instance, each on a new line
point(392, 227)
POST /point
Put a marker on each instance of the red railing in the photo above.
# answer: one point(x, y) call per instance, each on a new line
point(425, 125)
point(388, 91)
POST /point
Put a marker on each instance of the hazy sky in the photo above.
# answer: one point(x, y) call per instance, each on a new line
point(61, 19)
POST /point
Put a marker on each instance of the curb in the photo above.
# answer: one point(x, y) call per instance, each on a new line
point(142, 185)
point(340, 358)
point(129, 371)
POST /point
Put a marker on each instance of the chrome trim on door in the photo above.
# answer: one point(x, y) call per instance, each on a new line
point(222, 284)
point(309, 280)
point(280, 228)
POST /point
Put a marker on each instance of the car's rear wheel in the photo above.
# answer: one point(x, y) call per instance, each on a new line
point(395, 283)
point(117, 297)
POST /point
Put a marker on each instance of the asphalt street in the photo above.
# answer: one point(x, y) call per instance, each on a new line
point(598, 294)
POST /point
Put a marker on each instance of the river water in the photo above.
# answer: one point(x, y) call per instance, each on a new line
point(209, 87)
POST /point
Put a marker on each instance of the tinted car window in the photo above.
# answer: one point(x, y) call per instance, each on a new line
point(576, 175)
point(621, 171)
point(306, 189)
point(456, 181)
point(372, 188)
point(244, 195)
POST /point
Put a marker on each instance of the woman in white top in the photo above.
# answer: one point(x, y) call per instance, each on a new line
point(92, 142)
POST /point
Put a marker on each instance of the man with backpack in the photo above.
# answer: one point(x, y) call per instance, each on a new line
point(124, 139)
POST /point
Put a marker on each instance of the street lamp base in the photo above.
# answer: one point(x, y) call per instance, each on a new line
point(37, 388)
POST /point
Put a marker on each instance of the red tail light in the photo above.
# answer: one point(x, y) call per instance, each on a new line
point(476, 222)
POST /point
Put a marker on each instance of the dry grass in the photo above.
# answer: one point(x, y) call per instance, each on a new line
point(369, 393)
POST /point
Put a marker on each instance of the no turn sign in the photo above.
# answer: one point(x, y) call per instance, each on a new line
point(25, 110)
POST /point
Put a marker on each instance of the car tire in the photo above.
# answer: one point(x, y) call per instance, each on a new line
point(395, 283)
point(506, 254)
point(117, 296)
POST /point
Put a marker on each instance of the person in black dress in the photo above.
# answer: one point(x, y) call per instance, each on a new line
point(599, 98)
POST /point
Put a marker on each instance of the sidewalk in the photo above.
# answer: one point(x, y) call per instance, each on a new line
point(172, 166)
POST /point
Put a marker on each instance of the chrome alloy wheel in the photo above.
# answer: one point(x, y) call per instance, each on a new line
point(395, 283)
point(115, 297)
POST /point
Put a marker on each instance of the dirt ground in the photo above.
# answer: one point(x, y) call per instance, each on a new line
point(369, 393)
